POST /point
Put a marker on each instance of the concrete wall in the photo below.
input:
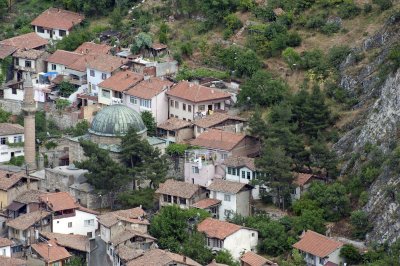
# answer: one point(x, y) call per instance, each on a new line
point(206, 174)
point(166, 68)
point(94, 81)
point(243, 203)
point(185, 114)
point(247, 146)
point(46, 34)
point(78, 224)
point(5, 251)
point(60, 69)
point(5, 150)
point(241, 241)
point(9, 95)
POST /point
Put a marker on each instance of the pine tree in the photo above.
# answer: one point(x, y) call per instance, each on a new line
point(324, 159)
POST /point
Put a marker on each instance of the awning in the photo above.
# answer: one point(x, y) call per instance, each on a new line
point(15, 206)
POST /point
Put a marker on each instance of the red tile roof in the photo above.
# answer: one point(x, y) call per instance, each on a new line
point(93, 48)
point(317, 244)
point(178, 188)
point(51, 252)
point(62, 57)
point(77, 242)
point(226, 186)
point(6, 50)
point(149, 88)
point(253, 259)
point(240, 161)
point(26, 41)
point(217, 229)
point(174, 124)
point(159, 46)
point(80, 63)
point(9, 179)
point(12, 261)
point(218, 139)
point(215, 119)
point(134, 215)
point(10, 129)
point(55, 18)
point(197, 93)
point(206, 203)
point(5, 242)
point(59, 201)
point(106, 63)
point(158, 257)
point(121, 81)
point(25, 221)
point(301, 179)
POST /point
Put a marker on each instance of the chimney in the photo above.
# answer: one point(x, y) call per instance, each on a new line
point(8, 175)
point(184, 258)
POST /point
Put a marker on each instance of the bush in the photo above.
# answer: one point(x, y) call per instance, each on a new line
point(337, 54)
point(348, 10)
point(17, 160)
point(367, 8)
point(350, 254)
point(315, 22)
point(330, 28)
point(232, 22)
point(383, 4)
point(360, 223)
point(187, 49)
point(293, 39)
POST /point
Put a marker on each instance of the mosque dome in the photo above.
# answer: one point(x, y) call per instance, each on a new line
point(115, 120)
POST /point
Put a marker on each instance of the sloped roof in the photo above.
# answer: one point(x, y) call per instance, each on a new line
point(134, 215)
point(31, 54)
point(6, 50)
point(59, 201)
point(26, 41)
point(227, 186)
point(5, 242)
point(93, 48)
point(77, 242)
point(178, 188)
point(214, 263)
point(317, 244)
point(128, 234)
point(196, 93)
point(106, 63)
point(12, 261)
point(121, 81)
point(215, 119)
point(157, 257)
point(240, 161)
point(25, 221)
point(214, 228)
point(149, 88)
point(218, 139)
point(51, 253)
point(126, 253)
point(301, 179)
point(174, 123)
point(81, 62)
point(63, 57)
point(10, 129)
point(29, 196)
point(206, 203)
point(55, 18)
point(253, 259)
point(9, 179)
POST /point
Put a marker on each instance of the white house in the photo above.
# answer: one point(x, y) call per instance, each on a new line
point(30, 62)
point(318, 249)
point(5, 247)
point(60, 60)
point(68, 216)
point(189, 101)
point(11, 141)
point(55, 23)
point(150, 95)
point(235, 197)
point(223, 235)
point(243, 170)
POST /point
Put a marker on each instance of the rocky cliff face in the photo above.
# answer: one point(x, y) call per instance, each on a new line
point(378, 123)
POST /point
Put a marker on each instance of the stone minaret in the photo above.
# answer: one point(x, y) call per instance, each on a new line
point(29, 109)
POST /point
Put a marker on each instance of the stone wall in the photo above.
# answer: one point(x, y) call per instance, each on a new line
point(176, 168)
point(63, 120)
point(14, 107)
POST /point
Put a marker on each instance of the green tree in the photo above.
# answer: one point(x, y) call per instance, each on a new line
point(383, 4)
point(177, 149)
point(81, 128)
point(292, 58)
point(142, 41)
point(61, 104)
point(115, 19)
point(149, 122)
point(194, 248)
point(75, 261)
point(324, 158)
point(143, 197)
point(275, 239)
point(66, 89)
point(74, 39)
point(163, 33)
point(360, 223)
point(351, 254)
point(310, 220)
point(225, 257)
point(4, 116)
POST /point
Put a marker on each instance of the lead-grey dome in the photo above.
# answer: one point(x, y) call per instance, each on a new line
point(115, 120)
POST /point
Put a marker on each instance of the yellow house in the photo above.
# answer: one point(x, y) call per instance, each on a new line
point(12, 184)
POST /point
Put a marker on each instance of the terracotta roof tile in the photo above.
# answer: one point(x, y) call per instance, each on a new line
point(158, 257)
point(6, 50)
point(5, 242)
point(215, 119)
point(30, 54)
point(134, 215)
point(51, 253)
point(55, 18)
point(253, 259)
point(93, 48)
point(214, 263)
point(30, 196)
point(178, 188)
point(206, 203)
point(10, 129)
point(126, 253)
point(81, 63)
point(12, 261)
point(301, 179)
point(59, 201)
point(218, 139)
point(77, 242)
point(9, 179)
point(197, 93)
point(106, 63)
point(240, 161)
point(228, 186)
point(149, 88)
point(26, 41)
point(25, 221)
point(174, 124)
point(317, 244)
point(128, 234)
point(62, 57)
point(217, 229)
point(121, 81)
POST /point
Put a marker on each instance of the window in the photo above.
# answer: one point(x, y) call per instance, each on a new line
point(105, 93)
point(92, 73)
point(229, 170)
point(4, 251)
point(227, 197)
point(169, 198)
point(39, 29)
point(103, 75)
point(322, 261)
point(184, 106)
point(252, 234)
point(14, 91)
point(17, 61)
point(4, 153)
point(28, 63)
point(198, 129)
point(69, 224)
point(227, 213)
point(175, 200)
point(89, 235)
point(189, 108)
point(249, 175)
point(88, 222)
point(172, 103)
point(53, 67)
point(217, 106)
point(62, 33)
point(171, 115)
point(176, 104)
point(3, 141)
point(165, 198)
point(16, 152)
point(133, 100)
point(238, 172)
point(145, 103)
point(202, 108)
point(56, 264)
point(224, 155)
point(184, 119)
point(243, 174)
point(195, 170)
point(182, 201)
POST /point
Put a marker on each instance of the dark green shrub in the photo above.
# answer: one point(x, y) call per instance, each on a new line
point(351, 254)
point(367, 8)
point(315, 22)
point(293, 39)
point(330, 28)
point(348, 10)
point(383, 4)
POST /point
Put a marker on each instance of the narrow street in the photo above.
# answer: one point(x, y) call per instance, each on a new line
point(99, 255)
